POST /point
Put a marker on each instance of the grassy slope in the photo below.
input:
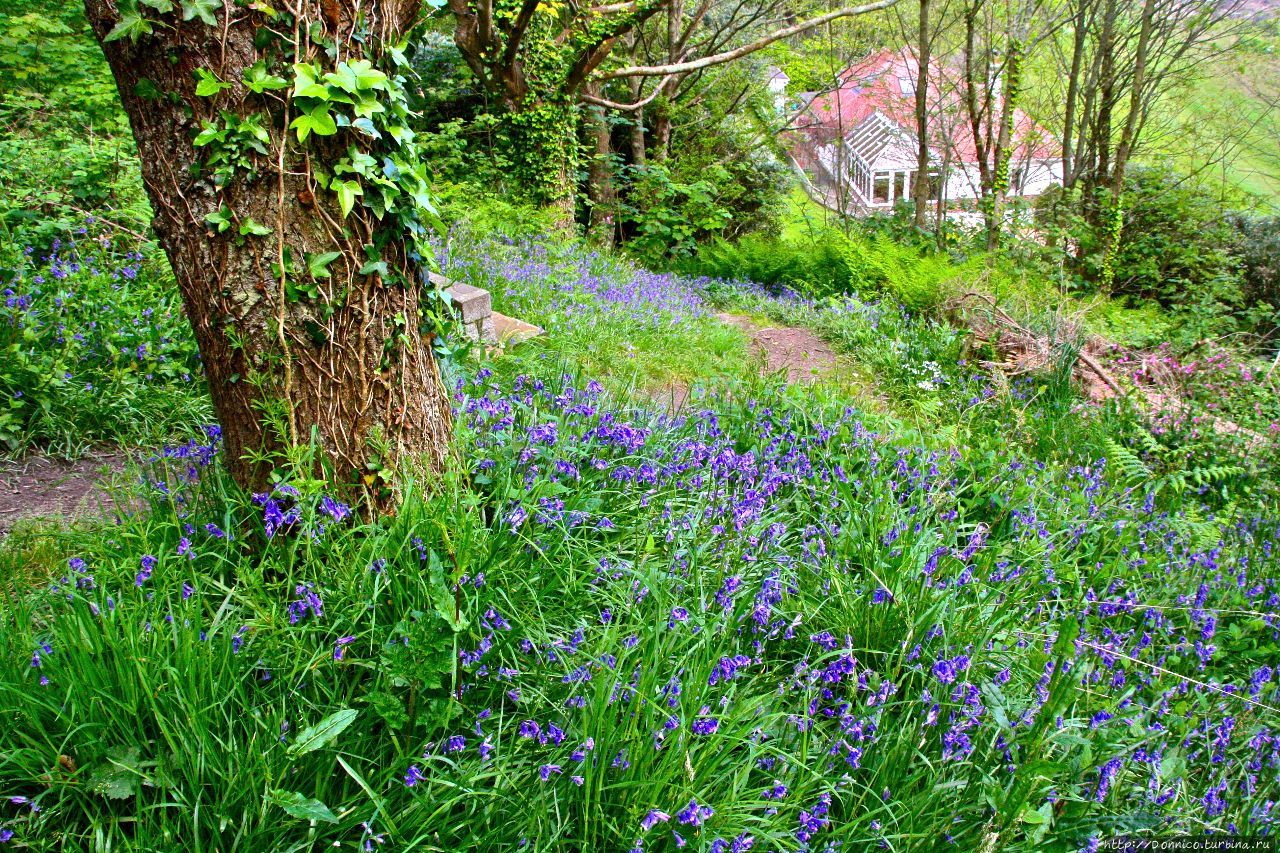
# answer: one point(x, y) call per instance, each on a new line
point(1223, 108)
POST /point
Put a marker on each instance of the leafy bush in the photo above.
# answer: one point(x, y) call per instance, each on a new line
point(830, 263)
point(67, 150)
point(1256, 245)
point(94, 346)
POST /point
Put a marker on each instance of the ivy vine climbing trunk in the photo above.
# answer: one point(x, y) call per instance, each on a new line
point(290, 202)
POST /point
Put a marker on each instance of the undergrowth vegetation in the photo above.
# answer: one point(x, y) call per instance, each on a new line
point(94, 347)
point(952, 612)
point(763, 622)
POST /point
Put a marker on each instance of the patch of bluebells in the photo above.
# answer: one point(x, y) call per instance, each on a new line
point(555, 286)
point(769, 620)
point(766, 498)
point(83, 330)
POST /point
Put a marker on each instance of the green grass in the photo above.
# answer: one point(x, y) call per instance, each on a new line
point(869, 601)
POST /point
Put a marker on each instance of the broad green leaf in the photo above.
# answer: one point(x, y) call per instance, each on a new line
point(356, 77)
point(209, 84)
point(1064, 646)
point(305, 83)
point(161, 6)
point(131, 24)
point(365, 126)
point(202, 9)
point(324, 732)
point(251, 227)
point(304, 808)
point(258, 79)
point(208, 134)
point(347, 192)
point(220, 219)
point(317, 120)
point(318, 265)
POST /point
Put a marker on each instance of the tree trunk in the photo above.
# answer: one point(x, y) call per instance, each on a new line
point(542, 144)
point(923, 58)
point(295, 349)
point(601, 192)
point(638, 157)
point(1003, 149)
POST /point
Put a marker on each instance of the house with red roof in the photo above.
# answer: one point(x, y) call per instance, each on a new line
point(857, 143)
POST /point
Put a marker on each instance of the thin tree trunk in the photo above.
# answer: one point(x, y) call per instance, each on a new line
point(1078, 40)
point(348, 367)
point(1129, 133)
point(1003, 150)
point(923, 58)
point(601, 191)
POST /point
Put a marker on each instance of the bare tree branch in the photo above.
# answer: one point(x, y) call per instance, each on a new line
point(730, 56)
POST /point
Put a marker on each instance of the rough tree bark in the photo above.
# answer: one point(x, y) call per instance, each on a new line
point(921, 189)
point(347, 363)
point(601, 191)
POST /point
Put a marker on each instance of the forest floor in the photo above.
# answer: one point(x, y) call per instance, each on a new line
point(802, 354)
point(38, 486)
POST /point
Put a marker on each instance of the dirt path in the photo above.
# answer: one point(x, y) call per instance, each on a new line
point(802, 354)
point(40, 487)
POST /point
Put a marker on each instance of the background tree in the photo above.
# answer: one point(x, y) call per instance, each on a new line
point(537, 59)
point(1117, 60)
point(997, 40)
point(290, 201)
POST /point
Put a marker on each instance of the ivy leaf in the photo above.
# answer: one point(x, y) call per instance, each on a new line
point(257, 79)
point(131, 24)
point(303, 808)
point(219, 219)
point(318, 265)
point(210, 133)
point(305, 84)
point(251, 227)
point(323, 733)
point(356, 77)
point(209, 84)
point(365, 126)
point(202, 9)
point(316, 120)
point(347, 192)
point(160, 6)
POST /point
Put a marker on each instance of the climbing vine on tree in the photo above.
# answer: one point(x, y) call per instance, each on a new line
point(294, 207)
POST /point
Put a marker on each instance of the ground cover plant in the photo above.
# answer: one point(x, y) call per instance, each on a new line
point(773, 620)
point(618, 322)
point(763, 624)
point(94, 347)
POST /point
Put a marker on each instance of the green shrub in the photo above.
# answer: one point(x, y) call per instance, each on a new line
point(94, 346)
point(831, 263)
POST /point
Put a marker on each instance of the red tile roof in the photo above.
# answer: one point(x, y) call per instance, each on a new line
point(885, 82)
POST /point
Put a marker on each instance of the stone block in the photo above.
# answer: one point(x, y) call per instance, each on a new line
point(471, 303)
point(486, 331)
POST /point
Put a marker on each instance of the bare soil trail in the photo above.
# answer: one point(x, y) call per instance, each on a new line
point(803, 355)
point(42, 487)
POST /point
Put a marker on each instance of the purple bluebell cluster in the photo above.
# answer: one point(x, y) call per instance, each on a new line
point(801, 594)
point(555, 285)
point(755, 625)
point(84, 334)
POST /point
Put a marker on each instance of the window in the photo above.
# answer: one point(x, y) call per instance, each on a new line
point(899, 185)
point(908, 87)
point(880, 190)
